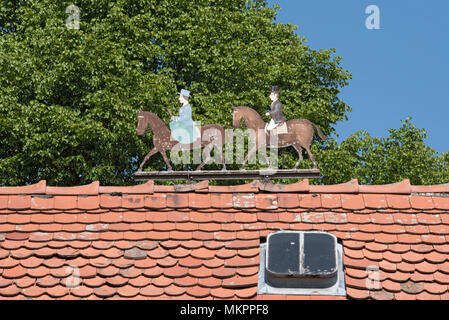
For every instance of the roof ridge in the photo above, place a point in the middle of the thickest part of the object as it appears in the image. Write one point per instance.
(302, 186)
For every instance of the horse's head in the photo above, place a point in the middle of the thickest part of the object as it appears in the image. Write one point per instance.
(147, 118)
(141, 123)
(250, 116)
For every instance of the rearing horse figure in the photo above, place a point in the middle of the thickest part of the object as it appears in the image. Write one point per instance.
(212, 135)
(299, 132)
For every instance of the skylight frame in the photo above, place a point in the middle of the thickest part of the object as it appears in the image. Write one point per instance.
(337, 289)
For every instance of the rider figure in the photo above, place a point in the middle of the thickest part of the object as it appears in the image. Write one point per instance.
(277, 116)
(183, 127)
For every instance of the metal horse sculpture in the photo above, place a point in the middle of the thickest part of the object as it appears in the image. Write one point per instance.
(212, 135)
(299, 132)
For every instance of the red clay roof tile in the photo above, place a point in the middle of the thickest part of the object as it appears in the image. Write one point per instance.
(199, 200)
(288, 200)
(65, 202)
(244, 200)
(441, 203)
(392, 257)
(37, 188)
(128, 291)
(246, 293)
(347, 187)
(390, 234)
(186, 281)
(151, 291)
(3, 201)
(158, 235)
(246, 188)
(167, 262)
(177, 200)
(356, 273)
(133, 201)
(222, 293)
(177, 216)
(19, 202)
(405, 218)
(25, 281)
(200, 272)
(442, 188)
(203, 253)
(398, 201)
(88, 202)
(355, 254)
(372, 255)
(375, 201)
(110, 201)
(81, 291)
(352, 202)
(200, 186)
(145, 188)
(441, 277)
(41, 202)
(181, 235)
(433, 239)
(357, 218)
(402, 187)
(393, 228)
(411, 287)
(310, 201)
(10, 291)
(174, 290)
(198, 291)
(357, 293)
(331, 201)
(140, 281)
(421, 202)
(428, 219)
(156, 201)
(16, 236)
(221, 200)
(89, 189)
(335, 217)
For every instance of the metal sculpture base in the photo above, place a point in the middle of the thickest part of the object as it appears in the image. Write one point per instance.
(266, 174)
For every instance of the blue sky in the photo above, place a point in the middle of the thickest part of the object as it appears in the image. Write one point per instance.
(399, 70)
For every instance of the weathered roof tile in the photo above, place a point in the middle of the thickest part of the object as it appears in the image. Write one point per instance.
(201, 241)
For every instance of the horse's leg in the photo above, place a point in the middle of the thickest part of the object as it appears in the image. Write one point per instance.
(164, 154)
(207, 149)
(262, 149)
(299, 150)
(250, 152)
(222, 157)
(219, 144)
(305, 139)
(310, 155)
(264, 152)
(155, 150)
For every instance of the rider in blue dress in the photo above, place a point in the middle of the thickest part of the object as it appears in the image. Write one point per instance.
(183, 127)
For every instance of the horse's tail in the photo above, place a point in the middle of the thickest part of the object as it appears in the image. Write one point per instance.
(320, 133)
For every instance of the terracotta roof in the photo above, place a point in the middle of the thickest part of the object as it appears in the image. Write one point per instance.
(200, 241)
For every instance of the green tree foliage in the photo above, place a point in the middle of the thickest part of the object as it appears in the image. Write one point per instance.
(69, 98)
(403, 154)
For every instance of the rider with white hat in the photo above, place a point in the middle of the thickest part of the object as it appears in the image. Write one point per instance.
(183, 127)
